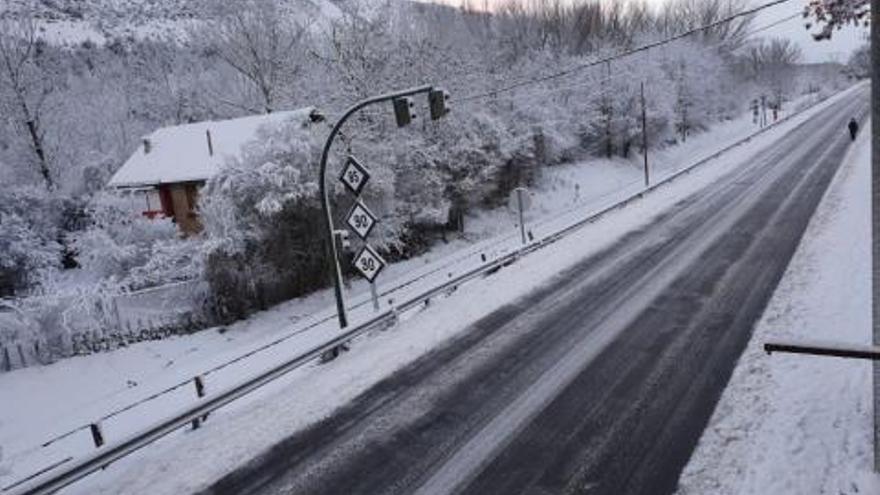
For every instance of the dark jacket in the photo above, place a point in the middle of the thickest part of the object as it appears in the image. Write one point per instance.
(853, 128)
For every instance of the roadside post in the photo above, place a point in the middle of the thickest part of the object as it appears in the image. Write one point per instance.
(763, 111)
(755, 112)
(519, 202)
(374, 294)
(97, 434)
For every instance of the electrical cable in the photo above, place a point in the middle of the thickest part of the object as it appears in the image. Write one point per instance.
(627, 53)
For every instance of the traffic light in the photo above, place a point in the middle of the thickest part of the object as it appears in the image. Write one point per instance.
(342, 239)
(437, 101)
(403, 111)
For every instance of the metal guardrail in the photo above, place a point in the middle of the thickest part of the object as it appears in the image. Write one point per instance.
(106, 455)
(112, 453)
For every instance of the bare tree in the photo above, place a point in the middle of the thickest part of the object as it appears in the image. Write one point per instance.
(772, 63)
(683, 15)
(860, 62)
(25, 87)
(263, 45)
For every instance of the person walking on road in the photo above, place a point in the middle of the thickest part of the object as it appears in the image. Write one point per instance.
(853, 128)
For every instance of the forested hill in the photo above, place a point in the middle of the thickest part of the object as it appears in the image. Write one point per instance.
(72, 112)
(74, 21)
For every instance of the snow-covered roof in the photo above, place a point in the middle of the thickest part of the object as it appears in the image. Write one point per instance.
(182, 153)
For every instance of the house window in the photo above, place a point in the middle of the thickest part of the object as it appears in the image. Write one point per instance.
(154, 206)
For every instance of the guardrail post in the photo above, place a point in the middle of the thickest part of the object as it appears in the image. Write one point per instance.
(199, 383)
(97, 434)
(38, 354)
(7, 361)
(374, 294)
(116, 315)
(395, 317)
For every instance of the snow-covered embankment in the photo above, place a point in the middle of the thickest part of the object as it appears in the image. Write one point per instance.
(801, 424)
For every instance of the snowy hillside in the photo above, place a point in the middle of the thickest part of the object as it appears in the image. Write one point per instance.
(75, 21)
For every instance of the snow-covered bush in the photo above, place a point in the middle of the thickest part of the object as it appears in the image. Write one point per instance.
(30, 231)
(469, 152)
(25, 253)
(263, 227)
(113, 251)
(66, 307)
(116, 240)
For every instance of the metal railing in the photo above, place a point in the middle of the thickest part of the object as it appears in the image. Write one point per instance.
(828, 349)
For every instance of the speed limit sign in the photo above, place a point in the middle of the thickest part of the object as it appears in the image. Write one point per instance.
(354, 175)
(361, 220)
(369, 263)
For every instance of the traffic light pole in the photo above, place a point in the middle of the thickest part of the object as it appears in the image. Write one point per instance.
(325, 197)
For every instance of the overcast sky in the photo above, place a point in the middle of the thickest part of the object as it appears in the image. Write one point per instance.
(839, 48)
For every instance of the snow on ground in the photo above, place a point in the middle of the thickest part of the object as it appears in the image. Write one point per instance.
(43, 402)
(799, 424)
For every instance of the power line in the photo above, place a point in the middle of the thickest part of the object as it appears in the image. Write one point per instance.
(643, 48)
(576, 86)
(776, 23)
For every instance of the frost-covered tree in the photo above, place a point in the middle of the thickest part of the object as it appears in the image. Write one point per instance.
(263, 227)
(772, 65)
(115, 240)
(27, 83)
(262, 44)
(860, 62)
(30, 235)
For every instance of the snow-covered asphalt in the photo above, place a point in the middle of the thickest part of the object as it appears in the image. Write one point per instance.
(600, 381)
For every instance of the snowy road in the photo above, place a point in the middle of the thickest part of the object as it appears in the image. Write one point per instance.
(599, 382)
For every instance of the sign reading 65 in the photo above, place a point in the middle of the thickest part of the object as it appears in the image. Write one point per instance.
(354, 175)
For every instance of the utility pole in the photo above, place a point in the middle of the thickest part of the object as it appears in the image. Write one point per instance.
(763, 111)
(521, 207)
(875, 215)
(645, 136)
(606, 108)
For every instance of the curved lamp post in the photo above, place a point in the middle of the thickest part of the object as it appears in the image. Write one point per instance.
(325, 199)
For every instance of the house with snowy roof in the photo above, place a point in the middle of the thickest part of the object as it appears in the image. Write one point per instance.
(166, 172)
